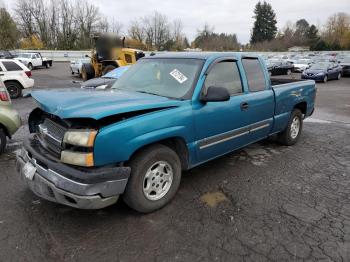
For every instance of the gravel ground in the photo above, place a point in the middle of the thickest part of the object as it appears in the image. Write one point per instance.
(264, 203)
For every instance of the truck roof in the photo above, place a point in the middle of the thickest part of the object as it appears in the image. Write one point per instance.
(200, 55)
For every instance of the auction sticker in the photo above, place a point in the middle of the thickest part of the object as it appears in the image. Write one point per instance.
(180, 77)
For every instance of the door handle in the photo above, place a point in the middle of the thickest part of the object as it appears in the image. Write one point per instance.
(244, 106)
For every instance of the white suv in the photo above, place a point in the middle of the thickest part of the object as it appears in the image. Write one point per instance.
(16, 76)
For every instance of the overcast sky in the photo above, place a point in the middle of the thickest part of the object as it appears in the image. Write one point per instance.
(229, 16)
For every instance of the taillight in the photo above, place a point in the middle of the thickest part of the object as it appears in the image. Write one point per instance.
(28, 73)
(4, 96)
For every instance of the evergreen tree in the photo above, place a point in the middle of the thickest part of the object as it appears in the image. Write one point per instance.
(265, 27)
(8, 30)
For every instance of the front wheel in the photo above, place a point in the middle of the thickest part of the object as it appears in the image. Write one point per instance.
(155, 178)
(2, 141)
(30, 66)
(292, 133)
(108, 69)
(339, 76)
(325, 79)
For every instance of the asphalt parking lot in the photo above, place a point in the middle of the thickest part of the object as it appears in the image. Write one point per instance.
(264, 203)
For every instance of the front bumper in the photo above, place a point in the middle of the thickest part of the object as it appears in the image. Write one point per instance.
(10, 119)
(313, 77)
(53, 183)
(346, 72)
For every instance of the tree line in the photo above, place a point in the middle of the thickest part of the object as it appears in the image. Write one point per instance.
(334, 35)
(69, 24)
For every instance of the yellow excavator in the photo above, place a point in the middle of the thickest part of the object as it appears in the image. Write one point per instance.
(109, 53)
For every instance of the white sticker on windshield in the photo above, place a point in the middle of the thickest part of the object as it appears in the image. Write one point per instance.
(180, 77)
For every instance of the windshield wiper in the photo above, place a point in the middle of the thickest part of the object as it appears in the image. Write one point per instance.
(144, 92)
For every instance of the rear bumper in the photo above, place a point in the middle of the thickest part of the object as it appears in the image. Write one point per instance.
(28, 83)
(54, 184)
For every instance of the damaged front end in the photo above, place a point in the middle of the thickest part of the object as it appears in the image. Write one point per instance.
(57, 163)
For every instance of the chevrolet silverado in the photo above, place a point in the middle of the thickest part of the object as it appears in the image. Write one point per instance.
(168, 113)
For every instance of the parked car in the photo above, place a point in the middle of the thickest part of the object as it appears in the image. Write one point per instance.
(279, 67)
(9, 118)
(105, 81)
(345, 64)
(167, 113)
(76, 65)
(16, 76)
(33, 60)
(323, 72)
(301, 64)
(4, 54)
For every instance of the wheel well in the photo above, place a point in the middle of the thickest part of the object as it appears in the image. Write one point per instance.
(175, 143)
(302, 107)
(107, 63)
(14, 80)
(5, 130)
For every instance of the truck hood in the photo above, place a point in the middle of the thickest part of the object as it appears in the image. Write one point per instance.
(95, 104)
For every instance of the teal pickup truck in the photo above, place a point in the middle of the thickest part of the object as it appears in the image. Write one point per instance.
(168, 113)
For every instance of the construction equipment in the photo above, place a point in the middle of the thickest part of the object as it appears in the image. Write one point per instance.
(109, 53)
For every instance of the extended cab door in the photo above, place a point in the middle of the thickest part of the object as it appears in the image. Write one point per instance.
(259, 100)
(36, 60)
(221, 126)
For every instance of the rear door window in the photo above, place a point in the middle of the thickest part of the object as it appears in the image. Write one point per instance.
(255, 74)
(225, 74)
(11, 66)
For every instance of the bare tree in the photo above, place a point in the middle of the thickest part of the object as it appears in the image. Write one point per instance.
(137, 31)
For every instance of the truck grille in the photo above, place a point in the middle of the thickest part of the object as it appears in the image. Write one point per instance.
(51, 136)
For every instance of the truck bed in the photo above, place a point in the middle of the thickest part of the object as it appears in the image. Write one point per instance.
(276, 82)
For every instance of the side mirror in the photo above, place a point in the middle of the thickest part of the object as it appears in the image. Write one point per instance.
(215, 94)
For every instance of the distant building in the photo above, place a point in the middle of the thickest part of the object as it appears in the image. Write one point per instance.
(299, 49)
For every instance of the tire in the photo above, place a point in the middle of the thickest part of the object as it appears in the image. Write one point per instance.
(2, 141)
(14, 89)
(87, 72)
(30, 66)
(140, 192)
(47, 65)
(108, 69)
(325, 79)
(289, 72)
(289, 136)
(339, 76)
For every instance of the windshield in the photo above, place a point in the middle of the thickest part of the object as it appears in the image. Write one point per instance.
(168, 77)
(319, 66)
(25, 55)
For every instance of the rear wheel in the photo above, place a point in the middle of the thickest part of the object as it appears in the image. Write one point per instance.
(30, 66)
(155, 179)
(289, 72)
(108, 69)
(292, 133)
(47, 65)
(2, 141)
(14, 89)
(339, 76)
